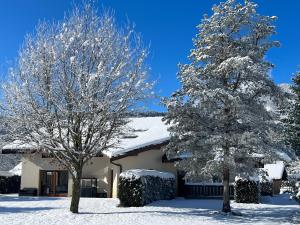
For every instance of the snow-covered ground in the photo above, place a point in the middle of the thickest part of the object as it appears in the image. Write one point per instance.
(32, 210)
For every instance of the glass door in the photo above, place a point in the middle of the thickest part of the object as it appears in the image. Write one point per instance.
(54, 183)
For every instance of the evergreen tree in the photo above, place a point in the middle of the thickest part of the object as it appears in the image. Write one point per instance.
(292, 122)
(218, 115)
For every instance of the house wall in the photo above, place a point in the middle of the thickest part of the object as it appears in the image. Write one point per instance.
(98, 168)
(30, 174)
(31, 166)
(276, 186)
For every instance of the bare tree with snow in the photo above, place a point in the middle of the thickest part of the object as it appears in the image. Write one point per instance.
(72, 87)
(218, 115)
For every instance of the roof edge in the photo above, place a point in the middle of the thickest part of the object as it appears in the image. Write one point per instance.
(135, 152)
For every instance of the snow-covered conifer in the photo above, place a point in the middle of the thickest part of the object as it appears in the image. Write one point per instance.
(292, 121)
(218, 115)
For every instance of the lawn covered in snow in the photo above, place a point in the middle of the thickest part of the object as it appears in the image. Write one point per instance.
(38, 210)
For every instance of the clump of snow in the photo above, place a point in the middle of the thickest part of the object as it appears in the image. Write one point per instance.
(135, 174)
(244, 178)
(274, 171)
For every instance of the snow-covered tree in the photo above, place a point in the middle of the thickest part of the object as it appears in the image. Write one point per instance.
(292, 121)
(218, 116)
(72, 87)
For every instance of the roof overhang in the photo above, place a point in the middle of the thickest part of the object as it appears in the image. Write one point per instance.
(18, 151)
(137, 151)
(133, 152)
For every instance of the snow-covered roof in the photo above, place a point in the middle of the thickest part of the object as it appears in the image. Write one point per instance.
(281, 155)
(141, 132)
(137, 173)
(17, 170)
(5, 174)
(275, 171)
(18, 145)
(145, 131)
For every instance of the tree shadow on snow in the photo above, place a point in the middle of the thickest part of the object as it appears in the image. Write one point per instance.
(276, 216)
(25, 198)
(211, 209)
(283, 199)
(181, 203)
(4, 210)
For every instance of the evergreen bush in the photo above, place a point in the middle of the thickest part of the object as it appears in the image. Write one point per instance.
(247, 191)
(140, 187)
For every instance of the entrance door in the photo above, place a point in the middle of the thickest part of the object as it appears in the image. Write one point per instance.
(54, 183)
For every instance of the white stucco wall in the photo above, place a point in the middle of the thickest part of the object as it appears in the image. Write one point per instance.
(33, 164)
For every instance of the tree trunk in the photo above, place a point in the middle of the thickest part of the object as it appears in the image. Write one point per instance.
(226, 197)
(76, 192)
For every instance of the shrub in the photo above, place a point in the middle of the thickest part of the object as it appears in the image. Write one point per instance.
(140, 187)
(247, 191)
(9, 184)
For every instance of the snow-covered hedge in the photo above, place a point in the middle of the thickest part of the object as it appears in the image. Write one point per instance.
(247, 191)
(139, 187)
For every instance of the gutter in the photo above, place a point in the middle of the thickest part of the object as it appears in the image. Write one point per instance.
(116, 164)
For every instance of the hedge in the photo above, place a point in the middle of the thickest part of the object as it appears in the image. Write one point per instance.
(140, 187)
(10, 184)
(247, 191)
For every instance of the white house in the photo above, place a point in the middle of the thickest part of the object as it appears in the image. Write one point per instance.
(141, 149)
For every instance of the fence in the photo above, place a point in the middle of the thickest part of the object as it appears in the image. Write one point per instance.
(214, 190)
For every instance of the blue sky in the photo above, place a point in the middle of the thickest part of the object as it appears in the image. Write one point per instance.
(168, 26)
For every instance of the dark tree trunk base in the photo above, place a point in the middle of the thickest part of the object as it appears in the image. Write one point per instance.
(75, 196)
(226, 198)
(226, 208)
